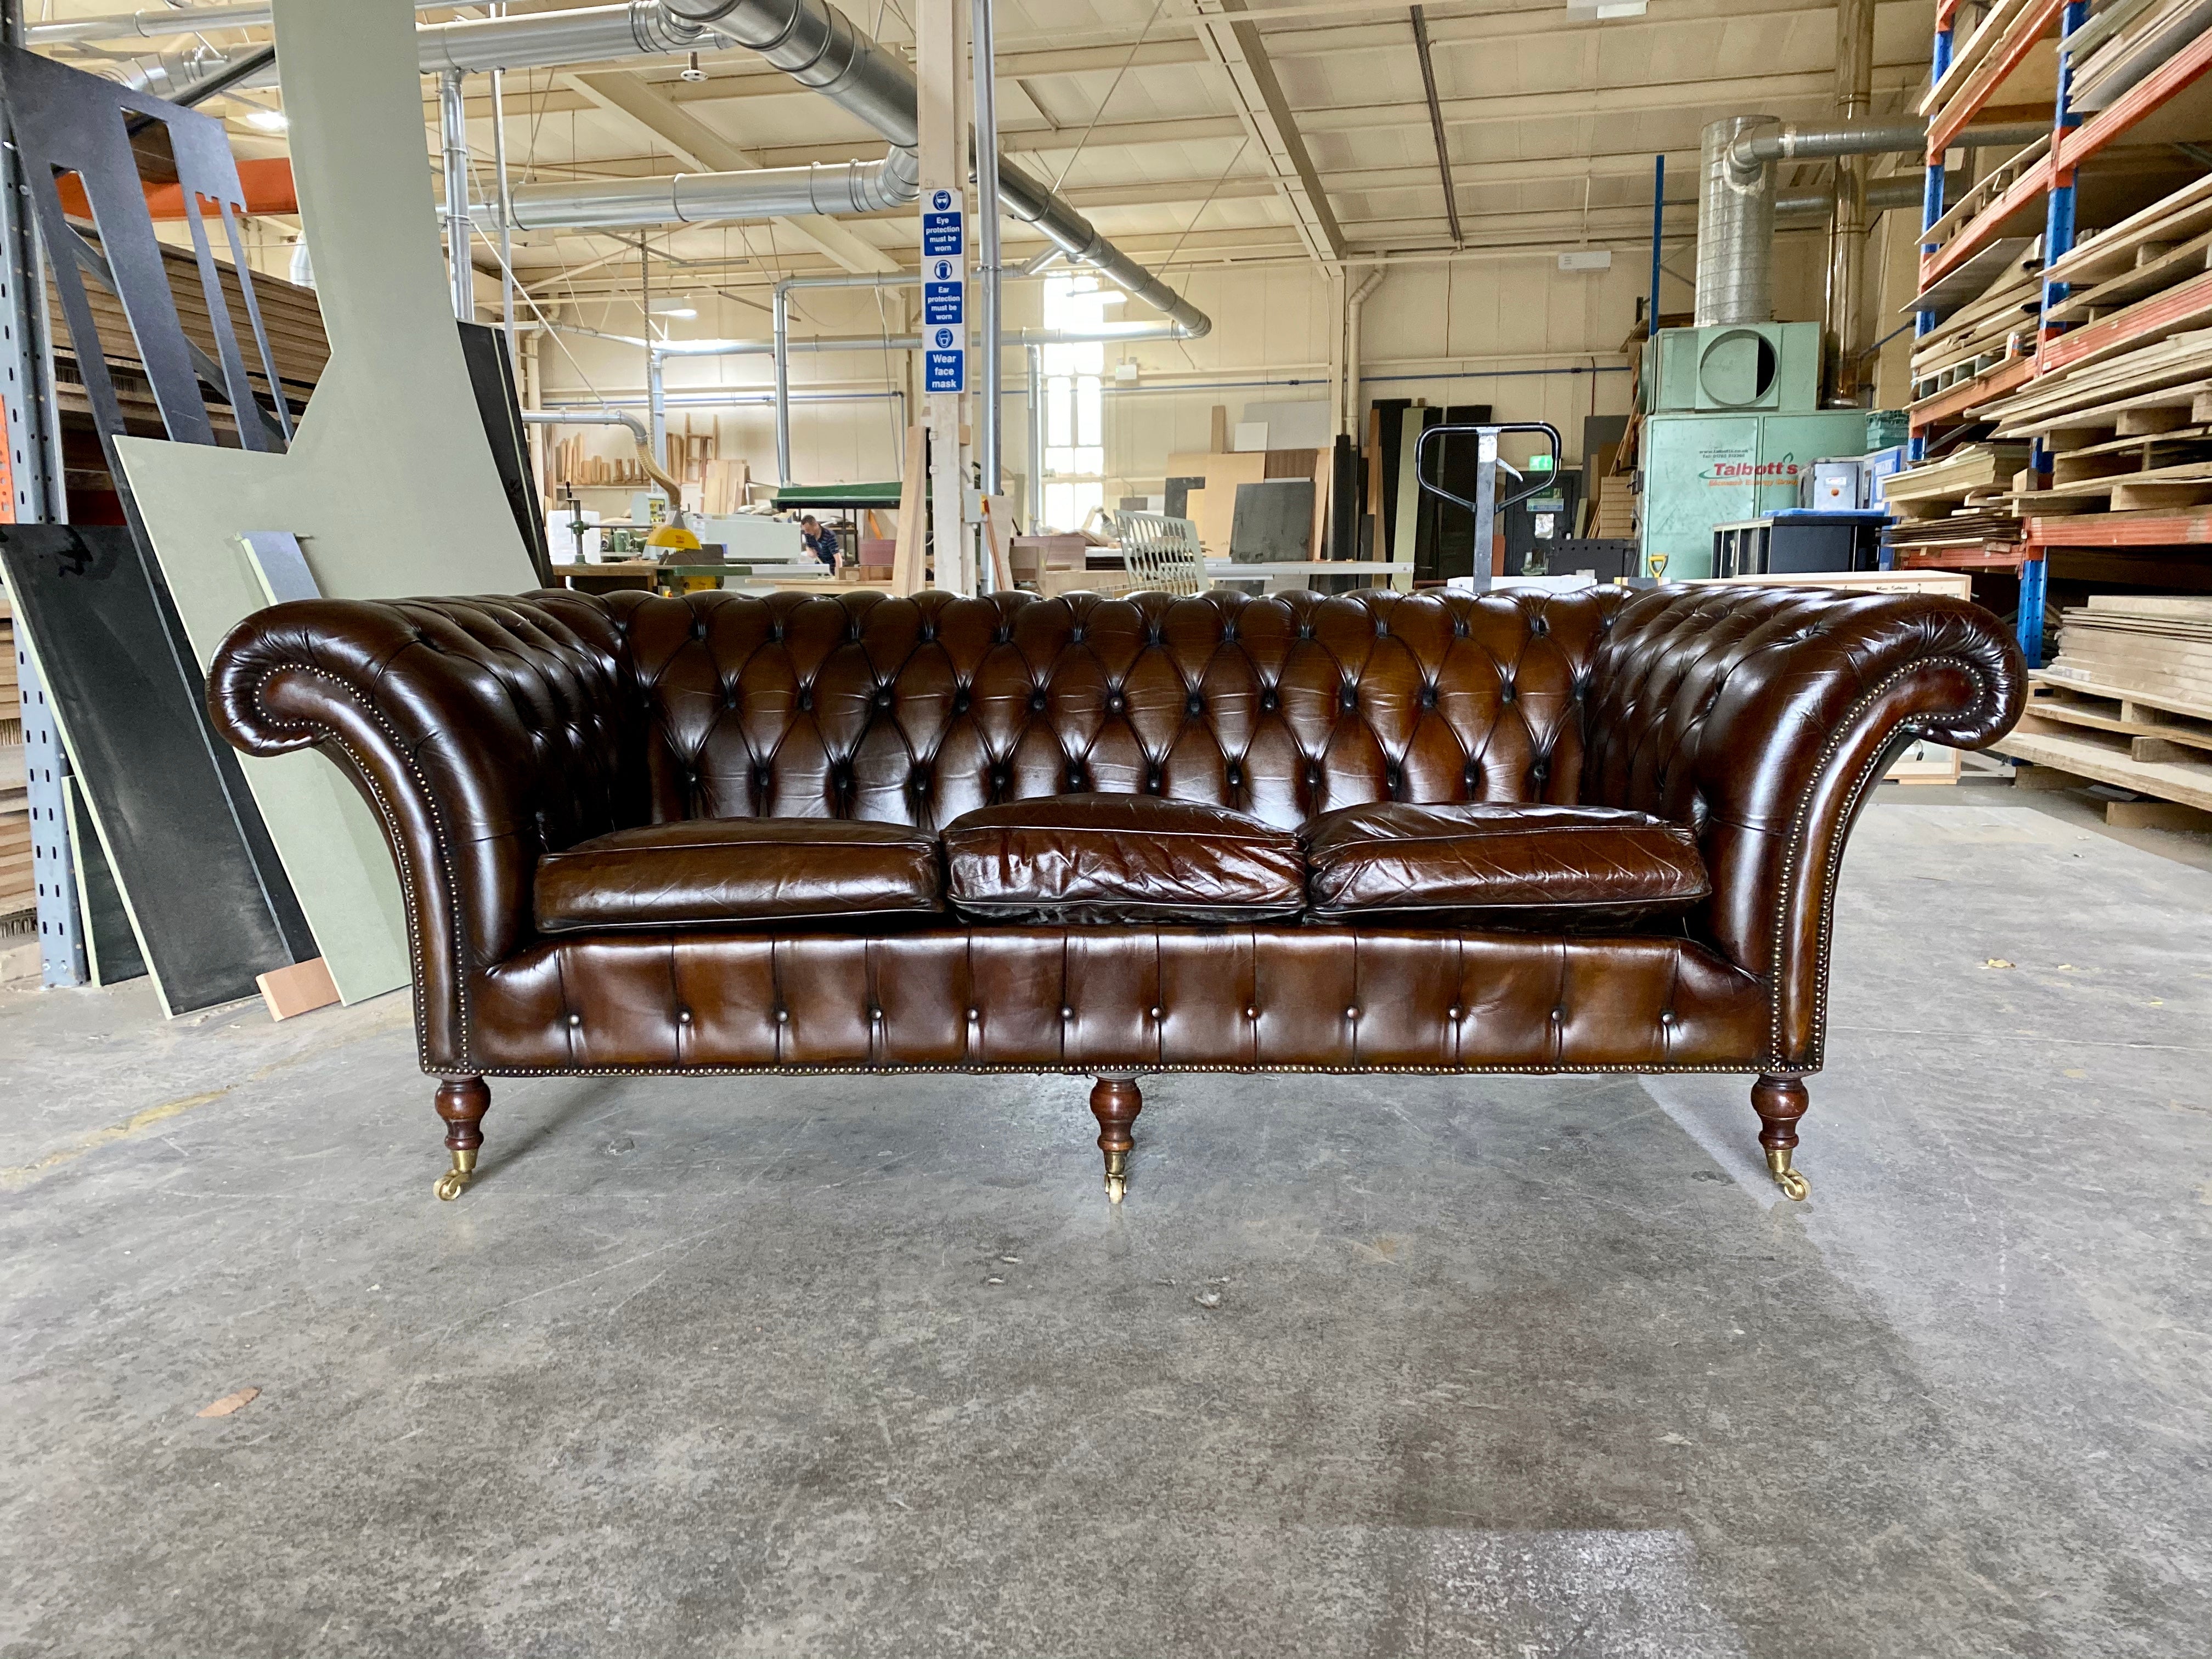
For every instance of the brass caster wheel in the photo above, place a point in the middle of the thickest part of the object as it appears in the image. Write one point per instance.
(1117, 1175)
(450, 1184)
(1792, 1181)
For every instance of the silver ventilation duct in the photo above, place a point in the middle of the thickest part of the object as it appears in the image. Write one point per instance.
(1736, 200)
(810, 40)
(818, 46)
(1736, 226)
(697, 197)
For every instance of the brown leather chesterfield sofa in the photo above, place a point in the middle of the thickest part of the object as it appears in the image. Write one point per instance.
(1377, 832)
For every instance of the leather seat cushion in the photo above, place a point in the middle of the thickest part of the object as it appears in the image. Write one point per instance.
(698, 872)
(1528, 866)
(1097, 857)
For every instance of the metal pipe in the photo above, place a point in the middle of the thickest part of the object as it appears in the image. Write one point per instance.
(505, 200)
(162, 24)
(983, 65)
(683, 198)
(1847, 246)
(1736, 226)
(781, 343)
(820, 47)
(452, 132)
(1353, 304)
(536, 40)
(1033, 509)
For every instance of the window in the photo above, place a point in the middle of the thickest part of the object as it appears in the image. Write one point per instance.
(1074, 405)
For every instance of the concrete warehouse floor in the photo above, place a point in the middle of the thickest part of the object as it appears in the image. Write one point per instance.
(1366, 1366)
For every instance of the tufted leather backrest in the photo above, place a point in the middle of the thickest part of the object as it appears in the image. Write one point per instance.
(916, 710)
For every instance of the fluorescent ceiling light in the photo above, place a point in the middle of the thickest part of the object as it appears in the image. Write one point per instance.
(267, 120)
(1600, 11)
(674, 308)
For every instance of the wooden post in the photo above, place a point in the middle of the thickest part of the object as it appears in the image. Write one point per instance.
(940, 69)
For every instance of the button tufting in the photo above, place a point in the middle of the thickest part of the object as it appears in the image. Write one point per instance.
(1158, 1013)
(575, 1020)
(683, 1016)
(875, 1016)
(974, 1015)
(806, 698)
(1451, 1013)
(1194, 704)
(1037, 701)
(1067, 1014)
(1351, 1013)
(960, 700)
(883, 696)
(783, 1016)
(1251, 1013)
(1268, 699)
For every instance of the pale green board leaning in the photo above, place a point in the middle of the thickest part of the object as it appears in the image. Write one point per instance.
(391, 485)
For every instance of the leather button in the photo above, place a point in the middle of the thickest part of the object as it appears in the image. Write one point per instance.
(875, 1016)
(960, 701)
(1267, 700)
(1251, 1013)
(806, 698)
(1351, 1013)
(1195, 705)
(783, 1016)
(1506, 692)
(1451, 1013)
(973, 1016)
(1114, 703)
(883, 697)
(575, 1020)
(1428, 696)
(1067, 1014)
(683, 1016)
(1158, 1013)
(1037, 702)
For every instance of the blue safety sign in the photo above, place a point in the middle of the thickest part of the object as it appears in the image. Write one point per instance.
(941, 303)
(945, 371)
(940, 234)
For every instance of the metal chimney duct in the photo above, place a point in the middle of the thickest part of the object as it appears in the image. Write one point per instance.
(1736, 227)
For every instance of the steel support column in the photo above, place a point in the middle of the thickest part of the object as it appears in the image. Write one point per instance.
(35, 496)
(453, 133)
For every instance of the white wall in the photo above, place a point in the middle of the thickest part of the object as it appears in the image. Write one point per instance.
(1513, 332)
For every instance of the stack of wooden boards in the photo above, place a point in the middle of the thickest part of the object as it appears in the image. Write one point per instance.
(574, 464)
(289, 313)
(1958, 506)
(1209, 485)
(2125, 41)
(2125, 402)
(18, 898)
(2129, 700)
(1996, 324)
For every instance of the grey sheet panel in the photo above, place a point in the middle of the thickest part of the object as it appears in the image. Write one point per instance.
(186, 843)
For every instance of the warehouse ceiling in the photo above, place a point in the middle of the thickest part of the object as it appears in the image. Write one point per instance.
(1189, 130)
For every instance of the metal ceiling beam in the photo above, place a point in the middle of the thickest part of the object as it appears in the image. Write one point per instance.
(627, 93)
(1436, 122)
(1236, 46)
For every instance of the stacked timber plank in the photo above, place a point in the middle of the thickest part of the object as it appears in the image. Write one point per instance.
(2129, 700)
(289, 313)
(1998, 323)
(17, 897)
(2126, 41)
(1959, 507)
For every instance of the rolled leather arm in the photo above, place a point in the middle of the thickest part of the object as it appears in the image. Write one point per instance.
(481, 730)
(1760, 717)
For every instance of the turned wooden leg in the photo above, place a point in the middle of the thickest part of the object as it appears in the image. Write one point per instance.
(1780, 1102)
(1115, 1103)
(462, 1101)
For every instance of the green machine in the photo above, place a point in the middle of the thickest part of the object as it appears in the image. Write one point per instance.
(1731, 421)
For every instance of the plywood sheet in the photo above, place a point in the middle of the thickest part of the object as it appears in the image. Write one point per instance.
(392, 485)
